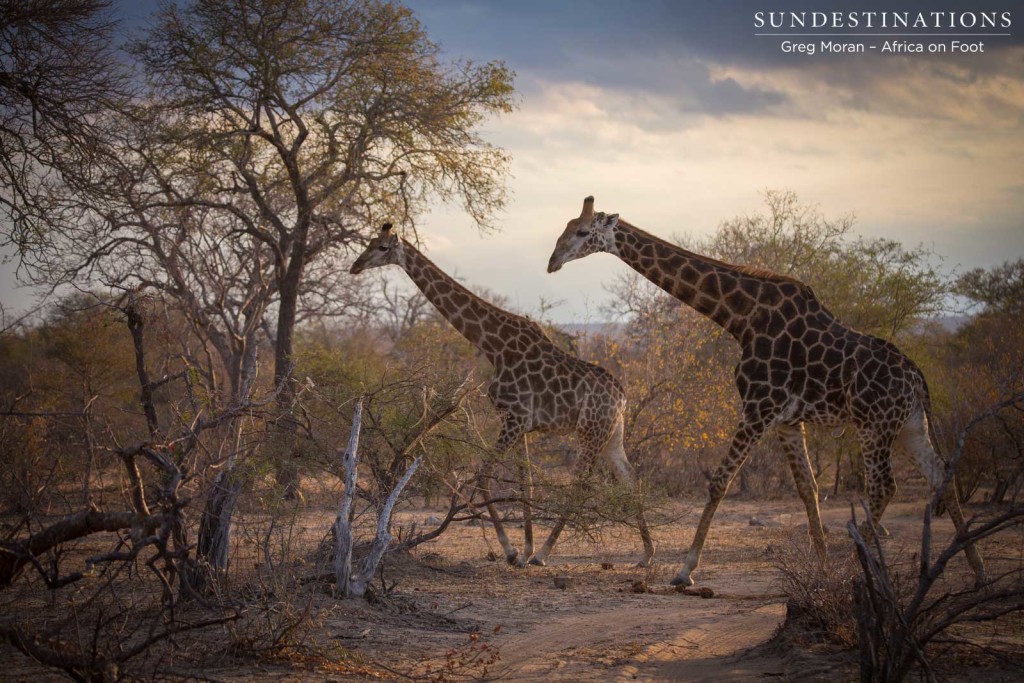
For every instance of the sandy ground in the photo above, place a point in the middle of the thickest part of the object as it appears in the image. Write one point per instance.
(600, 628)
(450, 599)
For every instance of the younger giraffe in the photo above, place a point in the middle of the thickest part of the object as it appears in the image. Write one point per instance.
(799, 364)
(536, 386)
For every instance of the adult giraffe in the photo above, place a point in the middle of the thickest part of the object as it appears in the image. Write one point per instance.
(536, 386)
(799, 364)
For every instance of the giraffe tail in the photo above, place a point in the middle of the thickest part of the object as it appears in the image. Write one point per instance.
(924, 396)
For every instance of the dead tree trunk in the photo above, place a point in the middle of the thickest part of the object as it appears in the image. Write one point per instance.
(215, 525)
(347, 583)
(343, 523)
(214, 541)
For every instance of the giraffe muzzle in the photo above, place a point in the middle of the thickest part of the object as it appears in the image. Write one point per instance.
(554, 264)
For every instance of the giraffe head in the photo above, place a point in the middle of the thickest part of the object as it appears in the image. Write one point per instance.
(588, 234)
(384, 249)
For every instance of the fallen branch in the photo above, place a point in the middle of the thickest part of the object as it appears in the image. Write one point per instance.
(15, 556)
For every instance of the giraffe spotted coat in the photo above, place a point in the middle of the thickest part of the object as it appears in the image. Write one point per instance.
(536, 386)
(799, 364)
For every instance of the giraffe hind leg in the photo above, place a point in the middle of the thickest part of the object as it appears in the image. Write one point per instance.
(589, 446)
(913, 439)
(876, 451)
(525, 470)
(794, 445)
(615, 455)
(584, 464)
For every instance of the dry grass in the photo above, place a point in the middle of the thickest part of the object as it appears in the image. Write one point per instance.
(820, 595)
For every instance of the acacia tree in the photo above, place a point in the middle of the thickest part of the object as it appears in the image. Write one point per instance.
(317, 119)
(58, 73)
(982, 361)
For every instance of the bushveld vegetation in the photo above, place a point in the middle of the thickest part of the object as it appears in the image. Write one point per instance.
(166, 417)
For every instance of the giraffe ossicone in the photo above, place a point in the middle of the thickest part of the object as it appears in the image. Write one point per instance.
(536, 386)
(799, 364)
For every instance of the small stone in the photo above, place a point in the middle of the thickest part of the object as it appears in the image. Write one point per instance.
(607, 565)
(433, 520)
(640, 586)
(754, 521)
(706, 593)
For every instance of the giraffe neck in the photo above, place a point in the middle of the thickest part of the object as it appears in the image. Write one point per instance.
(737, 298)
(483, 324)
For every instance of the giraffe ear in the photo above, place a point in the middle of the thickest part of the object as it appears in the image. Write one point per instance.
(611, 220)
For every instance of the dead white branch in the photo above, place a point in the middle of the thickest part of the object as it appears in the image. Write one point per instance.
(347, 583)
(343, 524)
(357, 585)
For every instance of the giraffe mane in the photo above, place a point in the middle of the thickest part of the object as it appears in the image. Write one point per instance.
(764, 273)
(742, 269)
(533, 324)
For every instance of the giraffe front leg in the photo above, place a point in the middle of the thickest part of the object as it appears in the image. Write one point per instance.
(745, 437)
(794, 446)
(583, 466)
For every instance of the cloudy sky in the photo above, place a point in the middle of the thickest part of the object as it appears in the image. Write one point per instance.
(677, 116)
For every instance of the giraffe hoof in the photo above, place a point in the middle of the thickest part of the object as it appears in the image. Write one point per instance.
(511, 557)
(537, 562)
(681, 581)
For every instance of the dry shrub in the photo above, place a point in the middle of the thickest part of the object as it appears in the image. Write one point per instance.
(820, 603)
(474, 660)
(280, 612)
(274, 626)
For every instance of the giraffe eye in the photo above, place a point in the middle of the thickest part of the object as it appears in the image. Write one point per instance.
(383, 247)
(582, 233)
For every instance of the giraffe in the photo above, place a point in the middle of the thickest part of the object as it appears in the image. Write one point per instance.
(536, 386)
(799, 364)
